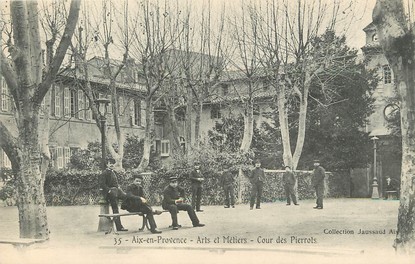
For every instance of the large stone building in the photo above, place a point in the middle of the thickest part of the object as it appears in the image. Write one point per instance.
(388, 160)
(71, 122)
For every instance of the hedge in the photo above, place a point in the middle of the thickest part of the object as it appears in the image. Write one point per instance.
(80, 187)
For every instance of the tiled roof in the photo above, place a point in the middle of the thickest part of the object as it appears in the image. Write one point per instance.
(105, 81)
(216, 99)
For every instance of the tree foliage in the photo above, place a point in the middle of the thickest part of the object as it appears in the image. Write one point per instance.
(340, 102)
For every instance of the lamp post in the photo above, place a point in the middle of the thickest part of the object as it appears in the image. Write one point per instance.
(102, 105)
(375, 190)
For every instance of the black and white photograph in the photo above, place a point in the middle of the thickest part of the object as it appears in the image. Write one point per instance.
(207, 131)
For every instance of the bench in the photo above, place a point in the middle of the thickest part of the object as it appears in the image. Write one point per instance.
(111, 217)
(20, 243)
(391, 195)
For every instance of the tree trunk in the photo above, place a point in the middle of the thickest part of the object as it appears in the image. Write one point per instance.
(197, 122)
(302, 118)
(30, 196)
(171, 124)
(284, 128)
(398, 43)
(148, 135)
(189, 115)
(117, 155)
(248, 127)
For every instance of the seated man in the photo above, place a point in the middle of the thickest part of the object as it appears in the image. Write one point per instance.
(135, 202)
(173, 200)
(111, 191)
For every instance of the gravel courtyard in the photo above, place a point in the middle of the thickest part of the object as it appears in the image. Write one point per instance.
(362, 229)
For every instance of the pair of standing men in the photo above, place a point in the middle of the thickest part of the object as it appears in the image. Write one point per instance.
(317, 181)
(257, 179)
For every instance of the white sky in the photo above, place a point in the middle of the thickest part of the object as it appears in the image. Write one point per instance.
(360, 10)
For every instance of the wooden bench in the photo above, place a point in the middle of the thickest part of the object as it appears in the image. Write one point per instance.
(391, 195)
(111, 217)
(20, 243)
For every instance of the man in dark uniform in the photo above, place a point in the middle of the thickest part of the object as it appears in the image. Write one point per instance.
(173, 201)
(135, 202)
(318, 183)
(109, 188)
(227, 182)
(196, 178)
(257, 179)
(289, 183)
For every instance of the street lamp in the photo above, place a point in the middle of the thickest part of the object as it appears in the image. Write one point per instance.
(102, 105)
(375, 191)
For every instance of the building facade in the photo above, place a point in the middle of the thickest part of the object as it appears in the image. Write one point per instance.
(386, 106)
(71, 123)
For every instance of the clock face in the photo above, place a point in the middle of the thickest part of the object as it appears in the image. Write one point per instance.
(391, 111)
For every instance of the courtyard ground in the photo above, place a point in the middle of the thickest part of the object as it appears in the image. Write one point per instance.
(274, 234)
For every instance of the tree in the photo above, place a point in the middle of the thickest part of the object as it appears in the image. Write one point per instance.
(151, 41)
(27, 84)
(285, 39)
(339, 103)
(245, 33)
(396, 30)
(202, 63)
(107, 36)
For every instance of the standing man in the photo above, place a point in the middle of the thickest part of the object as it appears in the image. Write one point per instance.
(109, 188)
(318, 182)
(173, 201)
(135, 202)
(196, 178)
(227, 182)
(289, 183)
(257, 179)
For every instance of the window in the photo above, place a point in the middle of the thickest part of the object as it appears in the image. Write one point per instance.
(57, 101)
(4, 96)
(165, 148)
(387, 74)
(66, 156)
(88, 111)
(81, 104)
(59, 158)
(215, 112)
(137, 112)
(66, 102)
(121, 105)
(132, 111)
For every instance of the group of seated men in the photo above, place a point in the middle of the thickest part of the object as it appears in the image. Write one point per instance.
(133, 200)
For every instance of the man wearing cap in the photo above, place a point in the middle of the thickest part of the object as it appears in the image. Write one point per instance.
(109, 188)
(135, 202)
(289, 183)
(257, 179)
(196, 179)
(173, 201)
(318, 183)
